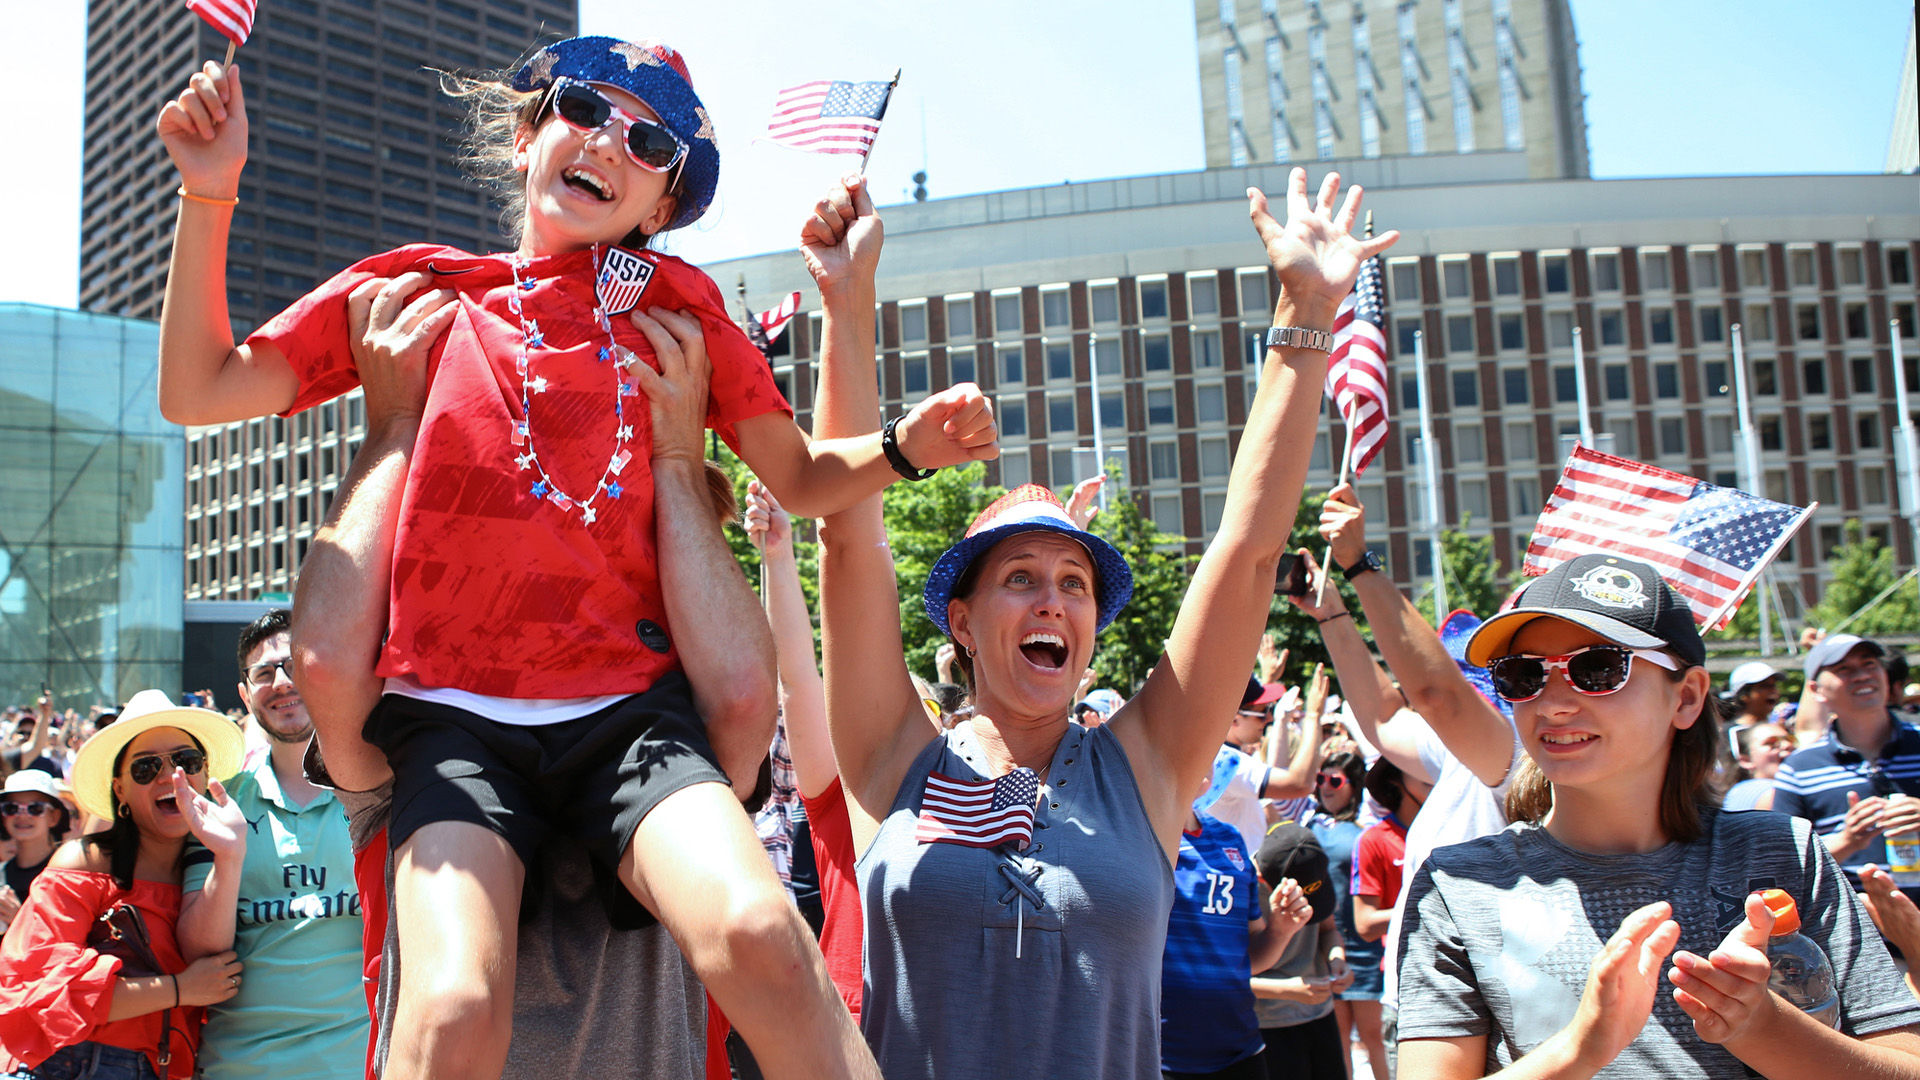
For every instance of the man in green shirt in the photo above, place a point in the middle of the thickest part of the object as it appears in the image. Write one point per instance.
(301, 1013)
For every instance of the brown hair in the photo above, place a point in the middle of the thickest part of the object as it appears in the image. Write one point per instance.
(1689, 783)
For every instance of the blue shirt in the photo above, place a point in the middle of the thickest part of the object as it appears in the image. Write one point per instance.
(1206, 997)
(1813, 783)
(1338, 839)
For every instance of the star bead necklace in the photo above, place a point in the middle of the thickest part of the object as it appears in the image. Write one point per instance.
(545, 487)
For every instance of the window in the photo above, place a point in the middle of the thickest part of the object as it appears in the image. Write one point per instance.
(1054, 312)
(1520, 440)
(1813, 377)
(1621, 429)
(1759, 324)
(1060, 464)
(1210, 403)
(1016, 469)
(1899, 266)
(1776, 486)
(913, 372)
(1214, 460)
(1856, 320)
(1453, 275)
(1770, 433)
(1469, 443)
(1166, 515)
(1830, 540)
(1616, 381)
(1806, 321)
(1405, 331)
(1660, 326)
(1153, 299)
(1163, 460)
(1673, 435)
(1406, 282)
(1113, 411)
(1105, 301)
(1653, 271)
(1514, 383)
(1506, 277)
(1203, 292)
(1013, 365)
(960, 367)
(1253, 293)
(1513, 331)
(1213, 507)
(1710, 324)
(1409, 392)
(1006, 315)
(1553, 268)
(1861, 369)
(1156, 352)
(1613, 327)
(1800, 263)
(1714, 373)
(1059, 360)
(1160, 406)
(1466, 388)
(1903, 313)
(1666, 380)
(1765, 379)
(1013, 416)
(1060, 414)
(1560, 329)
(1852, 267)
(1106, 356)
(1706, 270)
(1460, 333)
(913, 322)
(1206, 349)
(1873, 484)
(1526, 498)
(1720, 438)
(1473, 500)
(1753, 268)
(1606, 273)
(1819, 433)
(1566, 386)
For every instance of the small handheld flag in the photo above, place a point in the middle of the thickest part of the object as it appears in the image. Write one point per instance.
(773, 321)
(830, 117)
(1357, 370)
(978, 813)
(233, 18)
(1709, 542)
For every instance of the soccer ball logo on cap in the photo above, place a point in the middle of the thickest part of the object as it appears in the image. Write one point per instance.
(1611, 587)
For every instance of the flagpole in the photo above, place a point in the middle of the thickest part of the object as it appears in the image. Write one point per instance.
(1093, 379)
(1346, 462)
(868, 152)
(1907, 443)
(1430, 467)
(1750, 464)
(1579, 389)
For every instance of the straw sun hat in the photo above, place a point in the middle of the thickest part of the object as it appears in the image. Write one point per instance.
(149, 709)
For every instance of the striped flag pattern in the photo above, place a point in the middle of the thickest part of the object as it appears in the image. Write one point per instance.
(233, 18)
(1357, 370)
(774, 320)
(826, 117)
(1709, 542)
(978, 813)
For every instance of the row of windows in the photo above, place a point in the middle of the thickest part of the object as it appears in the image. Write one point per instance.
(1659, 327)
(1003, 316)
(1753, 265)
(1616, 382)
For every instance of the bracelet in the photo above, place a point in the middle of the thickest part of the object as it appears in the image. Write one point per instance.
(209, 200)
(176, 990)
(1330, 618)
(891, 447)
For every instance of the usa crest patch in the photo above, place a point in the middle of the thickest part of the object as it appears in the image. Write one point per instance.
(1233, 856)
(623, 278)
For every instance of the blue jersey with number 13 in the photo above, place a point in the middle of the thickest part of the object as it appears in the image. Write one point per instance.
(1206, 1003)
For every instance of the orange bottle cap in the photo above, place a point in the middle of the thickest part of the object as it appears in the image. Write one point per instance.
(1786, 916)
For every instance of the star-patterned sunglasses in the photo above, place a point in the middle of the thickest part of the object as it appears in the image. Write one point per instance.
(1595, 671)
(586, 110)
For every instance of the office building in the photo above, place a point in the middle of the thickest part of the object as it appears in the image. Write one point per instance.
(1157, 288)
(90, 528)
(351, 152)
(1314, 80)
(1903, 141)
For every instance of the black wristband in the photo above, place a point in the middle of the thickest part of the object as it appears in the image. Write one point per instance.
(176, 990)
(891, 447)
(1332, 617)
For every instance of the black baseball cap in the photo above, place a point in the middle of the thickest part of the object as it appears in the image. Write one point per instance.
(1623, 600)
(1291, 851)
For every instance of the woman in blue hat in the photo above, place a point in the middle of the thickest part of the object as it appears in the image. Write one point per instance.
(532, 676)
(1016, 870)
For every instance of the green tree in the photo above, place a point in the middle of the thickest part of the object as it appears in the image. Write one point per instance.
(1862, 569)
(1745, 625)
(1472, 576)
(923, 521)
(1162, 570)
(1293, 629)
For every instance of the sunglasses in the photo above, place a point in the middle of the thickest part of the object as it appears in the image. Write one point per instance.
(31, 809)
(1779, 742)
(262, 674)
(145, 769)
(1595, 671)
(587, 110)
(1336, 781)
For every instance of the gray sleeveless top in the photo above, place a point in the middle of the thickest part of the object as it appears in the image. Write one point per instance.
(989, 963)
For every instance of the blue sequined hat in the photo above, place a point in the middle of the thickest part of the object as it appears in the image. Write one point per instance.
(657, 75)
(1027, 509)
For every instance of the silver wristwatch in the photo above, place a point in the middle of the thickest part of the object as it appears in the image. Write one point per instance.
(1293, 337)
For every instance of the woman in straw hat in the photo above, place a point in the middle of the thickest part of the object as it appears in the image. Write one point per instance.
(74, 1001)
(1017, 871)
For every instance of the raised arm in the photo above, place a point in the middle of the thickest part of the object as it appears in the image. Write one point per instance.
(720, 635)
(1298, 777)
(1172, 727)
(1472, 729)
(874, 716)
(340, 600)
(1368, 688)
(204, 378)
(802, 696)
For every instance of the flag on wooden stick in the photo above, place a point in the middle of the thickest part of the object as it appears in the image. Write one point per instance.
(829, 117)
(233, 18)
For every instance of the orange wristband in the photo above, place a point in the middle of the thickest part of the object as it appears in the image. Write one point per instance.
(191, 197)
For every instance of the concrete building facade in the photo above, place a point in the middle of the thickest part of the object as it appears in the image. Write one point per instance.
(1156, 288)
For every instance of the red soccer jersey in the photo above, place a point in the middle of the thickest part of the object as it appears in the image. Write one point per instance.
(497, 591)
(841, 932)
(1379, 862)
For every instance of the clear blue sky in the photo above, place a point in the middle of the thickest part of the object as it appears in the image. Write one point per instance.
(1018, 93)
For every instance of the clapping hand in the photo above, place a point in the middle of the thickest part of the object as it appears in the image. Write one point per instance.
(214, 817)
(1726, 992)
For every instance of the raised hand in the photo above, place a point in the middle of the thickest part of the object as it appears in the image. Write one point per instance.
(392, 325)
(953, 427)
(214, 818)
(205, 131)
(1321, 603)
(1621, 983)
(1289, 906)
(1272, 658)
(1343, 521)
(1726, 992)
(1081, 505)
(767, 523)
(677, 393)
(841, 238)
(1315, 252)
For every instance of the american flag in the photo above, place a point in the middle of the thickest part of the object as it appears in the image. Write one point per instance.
(1710, 543)
(773, 320)
(1357, 370)
(830, 117)
(978, 813)
(233, 18)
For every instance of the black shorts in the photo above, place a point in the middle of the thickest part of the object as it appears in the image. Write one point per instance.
(594, 778)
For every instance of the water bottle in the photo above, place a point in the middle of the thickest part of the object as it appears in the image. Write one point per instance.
(1903, 852)
(1801, 972)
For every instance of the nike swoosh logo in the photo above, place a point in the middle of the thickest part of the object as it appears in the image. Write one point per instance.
(1399, 862)
(432, 269)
